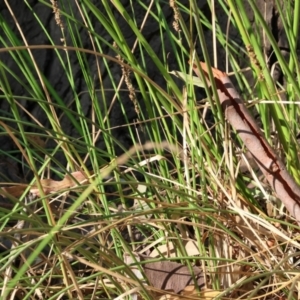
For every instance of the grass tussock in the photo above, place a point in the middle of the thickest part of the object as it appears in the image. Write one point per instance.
(183, 189)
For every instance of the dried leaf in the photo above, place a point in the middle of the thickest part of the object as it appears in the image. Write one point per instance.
(48, 185)
(165, 249)
(241, 120)
(192, 248)
(168, 297)
(172, 276)
(168, 249)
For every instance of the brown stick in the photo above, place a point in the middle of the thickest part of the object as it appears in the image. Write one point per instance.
(287, 190)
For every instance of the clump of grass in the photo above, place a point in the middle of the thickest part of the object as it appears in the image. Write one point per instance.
(180, 195)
